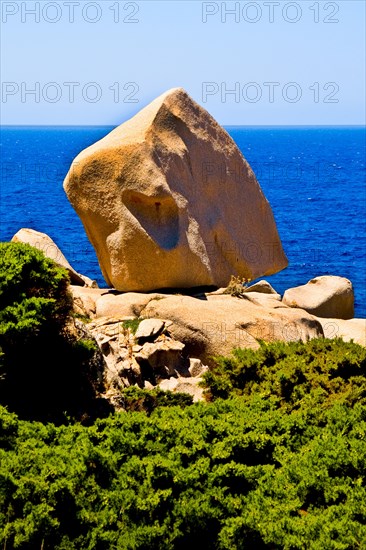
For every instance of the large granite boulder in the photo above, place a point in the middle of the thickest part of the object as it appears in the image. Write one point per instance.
(168, 201)
(50, 249)
(325, 296)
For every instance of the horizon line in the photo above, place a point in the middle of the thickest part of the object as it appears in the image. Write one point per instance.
(224, 125)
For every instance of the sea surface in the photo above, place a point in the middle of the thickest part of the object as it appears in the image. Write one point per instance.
(313, 177)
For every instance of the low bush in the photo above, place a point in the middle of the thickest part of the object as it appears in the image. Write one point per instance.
(292, 373)
(279, 464)
(136, 399)
(46, 368)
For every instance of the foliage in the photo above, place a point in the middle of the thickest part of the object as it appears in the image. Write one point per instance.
(236, 286)
(33, 293)
(136, 399)
(131, 324)
(81, 317)
(44, 367)
(281, 465)
(292, 372)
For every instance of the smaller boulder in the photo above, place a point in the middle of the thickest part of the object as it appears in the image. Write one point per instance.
(149, 329)
(85, 299)
(326, 296)
(263, 287)
(50, 249)
(168, 384)
(184, 385)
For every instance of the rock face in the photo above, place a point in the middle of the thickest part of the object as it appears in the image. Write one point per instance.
(50, 249)
(350, 329)
(85, 299)
(217, 324)
(168, 201)
(129, 304)
(327, 296)
(129, 359)
(177, 336)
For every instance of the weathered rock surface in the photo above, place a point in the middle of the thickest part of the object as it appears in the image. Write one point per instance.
(129, 304)
(326, 296)
(168, 201)
(350, 329)
(184, 385)
(149, 329)
(85, 299)
(50, 249)
(217, 324)
(272, 301)
(196, 368)
(263, 287)
(161, 359)
(179, 335)
(128, 362)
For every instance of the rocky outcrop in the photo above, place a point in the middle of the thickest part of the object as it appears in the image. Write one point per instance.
(168, 201)
(50, 249)
(178, 335)
(148, 358)
(327, 296)
(85, 299)
(218, 323)
(129, 304)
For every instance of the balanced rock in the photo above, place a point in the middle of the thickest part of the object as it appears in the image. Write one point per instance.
(168, 201)
(327, 296)
(50, 249)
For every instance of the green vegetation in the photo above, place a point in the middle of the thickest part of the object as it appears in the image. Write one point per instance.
(276, 460)
(46, 367)
(33, 294)
(131, 324)
(136, 399)
(292, 374)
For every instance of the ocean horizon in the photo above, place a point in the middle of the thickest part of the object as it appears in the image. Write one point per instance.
(313, 177)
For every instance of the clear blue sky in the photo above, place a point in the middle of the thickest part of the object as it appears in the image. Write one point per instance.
(272, 52)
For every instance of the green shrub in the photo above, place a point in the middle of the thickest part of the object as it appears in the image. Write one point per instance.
(281, 470)
(45, 367)
(33, 294)
(292, 373)
(136, 399)
(132, 324)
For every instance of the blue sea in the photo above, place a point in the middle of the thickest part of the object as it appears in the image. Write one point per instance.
(313, 177)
